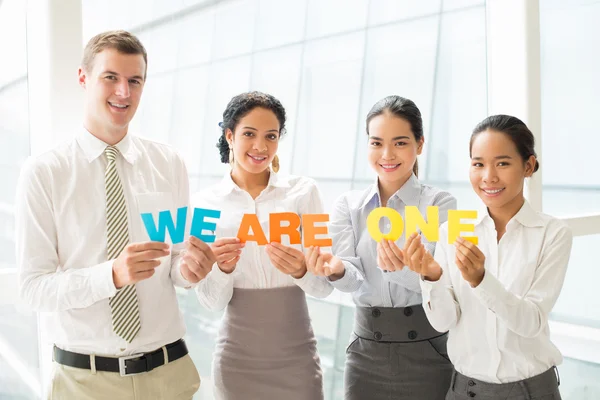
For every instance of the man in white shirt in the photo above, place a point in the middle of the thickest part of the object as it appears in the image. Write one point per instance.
(85, 259)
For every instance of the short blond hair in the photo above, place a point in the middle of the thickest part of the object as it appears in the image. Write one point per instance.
(120, 40)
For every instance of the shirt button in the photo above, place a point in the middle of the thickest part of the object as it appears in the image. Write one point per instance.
(378, 335)
(376, 313)
(408, 311)
(412, 335)
(471, 383)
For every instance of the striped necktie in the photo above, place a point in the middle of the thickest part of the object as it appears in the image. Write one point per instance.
(124, 306)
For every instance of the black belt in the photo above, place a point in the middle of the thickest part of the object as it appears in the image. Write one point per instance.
(128, 365)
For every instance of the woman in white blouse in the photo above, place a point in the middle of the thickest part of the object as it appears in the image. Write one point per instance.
(266, 348)
(495, 297)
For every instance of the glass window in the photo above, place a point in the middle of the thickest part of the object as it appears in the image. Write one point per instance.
(578, 303)
(570, 119)
(19, 365)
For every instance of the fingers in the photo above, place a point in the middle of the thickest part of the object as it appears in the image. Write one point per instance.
(140, 276)
(279, 259)
(187, 274)
(197, 269)
(320, 267)
(278, 249)
(144, 266)
(146, 255)
(472, 248)
(396, 263)
(311, 259)
(227, 240)
(194, 242)
(201, 254)
(230, 263)
(386, 263)
(398, 253)
(143, 246)
(228, 248)
(461, 254)
(290, 251)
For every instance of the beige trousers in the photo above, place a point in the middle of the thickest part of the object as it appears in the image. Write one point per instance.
(177, 380)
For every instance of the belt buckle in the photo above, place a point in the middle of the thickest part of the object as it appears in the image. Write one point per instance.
(123, 366)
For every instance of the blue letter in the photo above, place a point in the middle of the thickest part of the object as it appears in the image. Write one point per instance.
(157, 234)
(199, 224)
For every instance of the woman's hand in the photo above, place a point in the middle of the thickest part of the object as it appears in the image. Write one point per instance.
(227, 252)
(324, 264)
(420, 260)
(287, 259)
(389, 256)
(470, 261)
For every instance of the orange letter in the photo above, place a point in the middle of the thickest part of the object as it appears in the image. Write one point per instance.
(291, 230)
(251, 221)
(311, 231)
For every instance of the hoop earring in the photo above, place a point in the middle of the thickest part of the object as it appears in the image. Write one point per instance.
(275, 164)
(231, 157)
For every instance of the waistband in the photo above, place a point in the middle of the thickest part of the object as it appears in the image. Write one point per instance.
(398, 324)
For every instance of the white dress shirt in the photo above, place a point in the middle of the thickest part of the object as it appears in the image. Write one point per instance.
(254, 269)
(370, 285)
(499, 330)
(61, 242)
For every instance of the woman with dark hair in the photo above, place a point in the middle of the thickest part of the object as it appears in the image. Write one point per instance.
(495, 297)
(394, 352)
(266, 348)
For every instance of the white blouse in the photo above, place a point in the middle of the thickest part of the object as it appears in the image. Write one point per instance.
(499, 330)
(254, 269)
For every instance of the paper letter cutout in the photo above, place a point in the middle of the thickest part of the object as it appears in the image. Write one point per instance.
(165, 222)
(455, 227)
(276, 230)
(251, 221)
(310, 231)
(199, 224)
(414, 220)
(396, 222)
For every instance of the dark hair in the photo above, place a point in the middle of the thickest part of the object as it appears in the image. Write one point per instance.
(238, 107)
(401, 108)
(515, 129)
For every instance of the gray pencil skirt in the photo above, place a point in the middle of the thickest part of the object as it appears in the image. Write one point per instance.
(266, 348)
(396, 354)
(541, 387)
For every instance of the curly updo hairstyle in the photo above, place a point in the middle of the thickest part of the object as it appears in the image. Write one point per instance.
(238, 107)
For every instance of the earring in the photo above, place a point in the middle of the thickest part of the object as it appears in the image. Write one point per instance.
(230, 153)
(275, 164)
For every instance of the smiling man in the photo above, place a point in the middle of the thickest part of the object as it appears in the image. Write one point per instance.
(84, 257)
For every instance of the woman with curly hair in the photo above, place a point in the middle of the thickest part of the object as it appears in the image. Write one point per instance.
(266, 348)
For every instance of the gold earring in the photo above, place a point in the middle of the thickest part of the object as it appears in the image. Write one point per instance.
(275, 164)
(231, 157)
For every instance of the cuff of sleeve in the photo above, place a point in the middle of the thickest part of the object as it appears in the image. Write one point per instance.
(219, 276)
(348, 283)
(427, 287)
(178, 278)
(101, 277)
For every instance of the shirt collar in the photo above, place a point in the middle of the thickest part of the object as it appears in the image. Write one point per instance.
(227, 185)
(93, 147)
(409, 193)
(526, 216)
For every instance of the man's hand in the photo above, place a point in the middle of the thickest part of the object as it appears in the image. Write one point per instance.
(137, 262)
